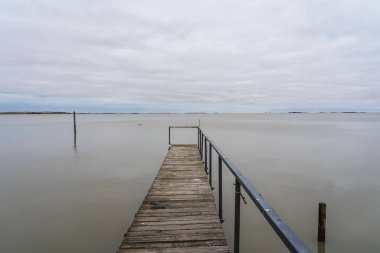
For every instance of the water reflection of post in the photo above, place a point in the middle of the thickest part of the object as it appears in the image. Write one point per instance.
(76, 154)
(321, 247)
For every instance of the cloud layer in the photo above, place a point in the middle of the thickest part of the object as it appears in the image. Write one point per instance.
(190, 55)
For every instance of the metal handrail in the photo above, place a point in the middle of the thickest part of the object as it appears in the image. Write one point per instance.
(286, 234)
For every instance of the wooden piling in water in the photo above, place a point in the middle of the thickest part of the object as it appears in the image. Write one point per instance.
(75, 130)
(322, 222)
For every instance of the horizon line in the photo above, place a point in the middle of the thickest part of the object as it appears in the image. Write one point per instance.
(284, 112)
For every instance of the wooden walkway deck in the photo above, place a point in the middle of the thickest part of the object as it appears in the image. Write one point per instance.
(178, 213)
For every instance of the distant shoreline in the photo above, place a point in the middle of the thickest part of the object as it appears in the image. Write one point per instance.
(120, 113)
(49, 113)
(22, 113)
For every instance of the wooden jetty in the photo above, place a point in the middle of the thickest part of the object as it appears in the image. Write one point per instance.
(179, 213)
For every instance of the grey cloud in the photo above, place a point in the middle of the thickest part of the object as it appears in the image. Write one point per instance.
(220, 53)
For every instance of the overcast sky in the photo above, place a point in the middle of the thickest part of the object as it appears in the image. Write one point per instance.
(190, 56)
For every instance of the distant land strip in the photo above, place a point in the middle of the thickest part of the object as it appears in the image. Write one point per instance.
(35, 113)
(48, 112)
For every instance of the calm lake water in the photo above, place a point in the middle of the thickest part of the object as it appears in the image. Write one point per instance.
(55, 198)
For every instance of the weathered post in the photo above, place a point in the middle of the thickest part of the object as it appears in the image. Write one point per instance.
(220, 189)
(210, 165)
(322, 222)
(237, 217)
(169, 136)
(75, 130)
(199, 139)
(206, 156)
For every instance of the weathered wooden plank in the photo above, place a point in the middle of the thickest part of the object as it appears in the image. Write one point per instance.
(178, 214)
(174, 205)
(175, 218)
(172, 214)
(179, 198)
(171, 232)
(177, 210)
(180, 180)
(191, 174)
(175, 227)
(207, 249)
(173, 238)
(175, 222)
(173, 244)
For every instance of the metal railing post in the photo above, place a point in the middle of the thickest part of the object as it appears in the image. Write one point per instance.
(237, 217)
(210, 165)
(201, 145)
(199, 139)
(169, 135)
(206, 156)
(220, 184)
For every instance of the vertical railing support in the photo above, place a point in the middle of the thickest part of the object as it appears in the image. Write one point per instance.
(210, 165)
(206, 156)
(169, 135)
(199, 139)
(237, 217)
(220, 184)
(201, 145)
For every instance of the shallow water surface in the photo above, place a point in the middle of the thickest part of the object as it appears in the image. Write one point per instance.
(56, 198)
